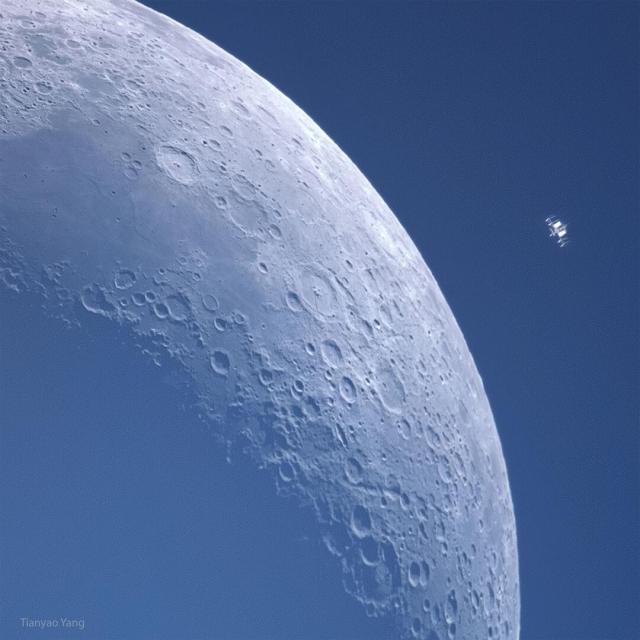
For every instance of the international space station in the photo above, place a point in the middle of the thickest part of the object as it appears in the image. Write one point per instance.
(558, 230)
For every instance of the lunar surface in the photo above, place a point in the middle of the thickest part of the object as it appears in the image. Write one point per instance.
(151, 181)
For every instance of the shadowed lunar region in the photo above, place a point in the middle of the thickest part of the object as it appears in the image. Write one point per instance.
(227, 362)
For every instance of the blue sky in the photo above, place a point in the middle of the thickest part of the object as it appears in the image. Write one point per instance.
(475, 121)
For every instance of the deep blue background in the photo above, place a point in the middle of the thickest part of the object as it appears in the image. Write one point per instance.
(475, 122)
(117, 506)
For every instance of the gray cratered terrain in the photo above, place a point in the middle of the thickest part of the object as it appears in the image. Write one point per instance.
(150, 178)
